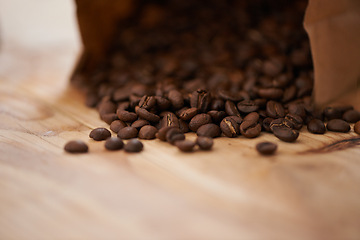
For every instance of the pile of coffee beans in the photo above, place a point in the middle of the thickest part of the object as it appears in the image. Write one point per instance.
(224, 68)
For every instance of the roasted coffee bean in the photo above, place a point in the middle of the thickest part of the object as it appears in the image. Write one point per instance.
(100, 134)
(188, 113)
(127, 133)
(351, 116)
(266, 124)
(204, 143)
(237, 119)
(145, 114)
(200, 99)
(295, 120)
(76, 146)
(230, 109)
(253, 117)
(169, 119)
(126, 116)
(184, 126)
(114, 143)
(116, 125)
(230, 96)
(335, 112)
(275, 109)
(285, 134)
(147, 102)
(247, 106)
(199, 120)
(140, 123)
(338, 125)
(133, 146)
(147, 132)
(162, 103)
(185, 145)
(217, 116)
(357, 127)
(161, 134)
(109, 117)
(297, 109)
(250, 129)
(217, 104)
(271, 93)
(229, 127)
(281, 122)
(209, 130)
(173, 135)
(176, 99)
(316, 126)
(266, 148)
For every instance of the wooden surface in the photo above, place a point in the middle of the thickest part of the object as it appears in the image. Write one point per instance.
(305, 191)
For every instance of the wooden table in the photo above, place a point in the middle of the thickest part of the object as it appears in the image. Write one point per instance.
(308, 190)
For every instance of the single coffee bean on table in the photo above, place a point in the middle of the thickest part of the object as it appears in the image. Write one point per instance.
(128, 133)
(76, 146)
(338, 125)
(209, 130)
(133, 146)
(100, 134)
(147, 132)
(316, 126)
(266, 148)
(351, 116)
(114, 143)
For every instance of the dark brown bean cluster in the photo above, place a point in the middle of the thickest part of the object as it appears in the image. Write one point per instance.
(236, 71)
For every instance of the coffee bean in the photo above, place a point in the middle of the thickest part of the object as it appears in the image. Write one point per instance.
(266, 148)
(161, 134)
(316, 126)
(247, 106)
(108, 117)
(266, 124)
(140, 123)
(114, 143)
(147, 102)
(76, 146)
(173, 135)
(199, 120)
(357, 127)
(133, 146)
(297, 109)
(188, 113)
(176, 99)
(127, 133)
(253, 117)
(229, 127)
(200, 99)
(271, 93)
(169, 119)
(338, 125)
(296, 120)
(116, 125)
(285, 134)
(145, 114)
(100, 134)
(185, 145)
(209, 130)
(250, 129)
(162, 103)
(275, 109)
(230, 96)
(184, 126)
(281, 122)
(230, 109)
(217, 104)
(126, 116)
(147, 132)
(205, 143)
(335, 112)
(351, 116)
(123, 105)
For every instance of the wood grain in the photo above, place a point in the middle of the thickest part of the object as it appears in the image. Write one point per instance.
(229, 193)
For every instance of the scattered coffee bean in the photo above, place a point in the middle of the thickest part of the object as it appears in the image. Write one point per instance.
(296, 120)
(250, 129)
(351, 116)
(247, 106)
(185, 145)
(188, 113)
(338, 125)
(147, 102)
(266, 148)
(116, 125)
(205, 143)
(76, 146)
(100, 134)
(209, 130)
(200, 99)
(140, 123)
(133, 146)
(127, 133)
(126, 116)
(316, 126)
(169, 119)
(114, 143)
(357, 127)
(147, 132)
(285, 134)
(230, 109)
(145, 114)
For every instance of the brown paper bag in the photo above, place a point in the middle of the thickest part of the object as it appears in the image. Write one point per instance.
(333, 27)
